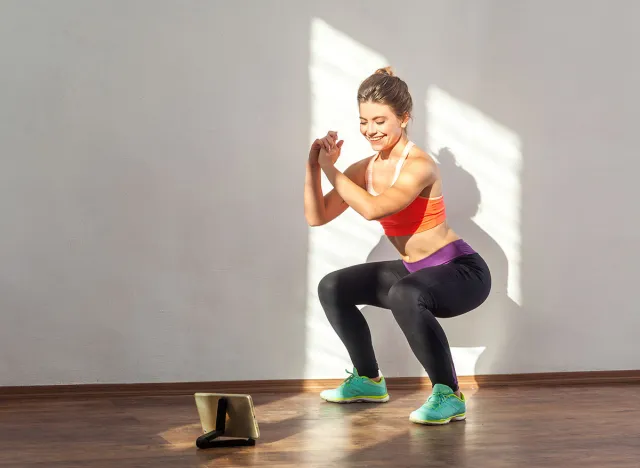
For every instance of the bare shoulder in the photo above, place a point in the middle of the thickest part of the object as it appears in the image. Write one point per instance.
(421, 164)
(420, 156)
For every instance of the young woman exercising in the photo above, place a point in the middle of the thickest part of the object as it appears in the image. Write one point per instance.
(438, 275)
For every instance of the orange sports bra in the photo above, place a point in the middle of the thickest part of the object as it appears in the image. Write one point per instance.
(420, 215)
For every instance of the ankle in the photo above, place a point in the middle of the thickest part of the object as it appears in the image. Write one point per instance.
(377, 379)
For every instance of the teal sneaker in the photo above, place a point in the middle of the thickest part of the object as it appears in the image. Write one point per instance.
(442, 407)
(357, 389)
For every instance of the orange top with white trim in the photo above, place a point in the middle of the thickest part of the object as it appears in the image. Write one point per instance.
(420, 215)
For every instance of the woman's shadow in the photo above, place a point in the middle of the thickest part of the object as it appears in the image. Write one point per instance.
(479, 339)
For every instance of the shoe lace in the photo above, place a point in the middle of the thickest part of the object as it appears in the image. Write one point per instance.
(350, 378)
(436, 399)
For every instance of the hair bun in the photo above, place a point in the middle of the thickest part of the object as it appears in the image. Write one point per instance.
(385, 71)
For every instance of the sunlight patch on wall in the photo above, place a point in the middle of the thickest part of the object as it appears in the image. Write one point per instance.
(465, 358)
(338, 64)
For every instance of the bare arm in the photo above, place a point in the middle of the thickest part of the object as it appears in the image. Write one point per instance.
(414, 178)
(315, 210)
(319, 209)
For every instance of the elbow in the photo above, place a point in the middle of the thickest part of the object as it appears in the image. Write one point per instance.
(372, 211)
(315, 222)
(313, 217)
(370, 214)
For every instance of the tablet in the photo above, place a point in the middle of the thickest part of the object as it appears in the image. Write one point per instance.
(229, 415)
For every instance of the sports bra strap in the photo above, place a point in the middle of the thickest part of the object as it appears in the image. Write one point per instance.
(399, 164)
(401, 161)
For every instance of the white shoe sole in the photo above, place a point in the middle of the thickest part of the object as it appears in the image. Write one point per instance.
(460, 417)
(359, 400)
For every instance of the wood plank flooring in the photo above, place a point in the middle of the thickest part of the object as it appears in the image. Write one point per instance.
(591, 426)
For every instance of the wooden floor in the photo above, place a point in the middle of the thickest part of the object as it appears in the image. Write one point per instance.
(506, 427)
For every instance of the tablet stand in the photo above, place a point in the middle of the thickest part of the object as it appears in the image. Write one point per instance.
(210, 439)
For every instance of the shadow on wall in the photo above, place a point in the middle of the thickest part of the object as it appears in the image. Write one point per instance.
(475, 337)
(485, 328)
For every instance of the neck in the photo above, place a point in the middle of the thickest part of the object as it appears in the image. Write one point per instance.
(394, 152)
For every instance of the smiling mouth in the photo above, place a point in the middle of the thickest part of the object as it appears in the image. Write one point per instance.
(376, 139)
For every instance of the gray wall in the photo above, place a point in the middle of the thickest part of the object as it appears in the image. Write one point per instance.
(152, 161)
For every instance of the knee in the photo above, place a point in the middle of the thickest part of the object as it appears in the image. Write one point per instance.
(328, 288)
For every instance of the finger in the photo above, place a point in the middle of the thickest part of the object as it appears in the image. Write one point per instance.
(332, 134)
(340, 143)
(326, 145)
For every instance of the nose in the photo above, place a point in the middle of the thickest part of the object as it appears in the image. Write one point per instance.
(370, 130)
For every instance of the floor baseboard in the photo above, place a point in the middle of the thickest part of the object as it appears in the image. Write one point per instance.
(311, 385)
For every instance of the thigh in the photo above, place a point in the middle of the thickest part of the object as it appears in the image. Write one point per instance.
(363, 284)
(451, 289)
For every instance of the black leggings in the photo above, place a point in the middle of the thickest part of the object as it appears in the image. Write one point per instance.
(415, 299)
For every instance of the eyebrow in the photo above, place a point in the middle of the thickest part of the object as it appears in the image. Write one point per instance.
(374, 118)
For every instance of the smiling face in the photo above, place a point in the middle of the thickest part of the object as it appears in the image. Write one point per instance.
(380, 125)
(385, 108)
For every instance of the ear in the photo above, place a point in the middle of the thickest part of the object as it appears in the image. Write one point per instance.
(405, 120)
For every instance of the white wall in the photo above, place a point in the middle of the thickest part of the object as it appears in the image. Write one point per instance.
(152, 160)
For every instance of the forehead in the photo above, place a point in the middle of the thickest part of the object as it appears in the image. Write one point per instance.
(371, 110)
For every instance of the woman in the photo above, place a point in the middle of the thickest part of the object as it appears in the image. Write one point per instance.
(438, 275)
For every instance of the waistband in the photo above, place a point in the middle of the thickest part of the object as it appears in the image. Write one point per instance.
(441, 256)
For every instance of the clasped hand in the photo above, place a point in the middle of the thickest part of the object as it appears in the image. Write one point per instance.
(327, 148)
